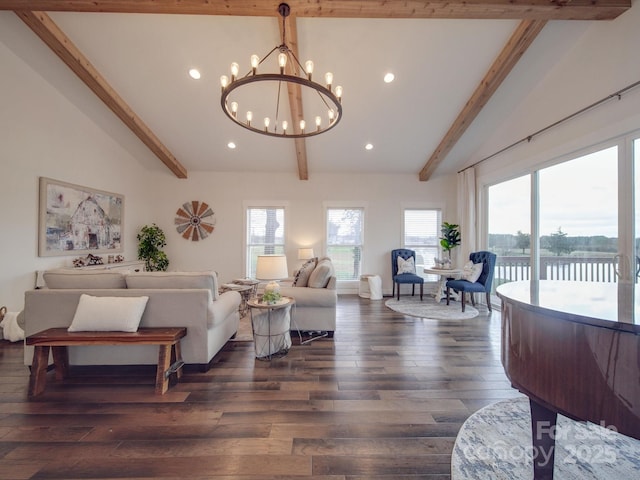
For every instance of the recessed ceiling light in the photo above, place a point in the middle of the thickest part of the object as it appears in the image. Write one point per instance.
(368, 146)
(194, 73)
(231, 145)
(389, 77)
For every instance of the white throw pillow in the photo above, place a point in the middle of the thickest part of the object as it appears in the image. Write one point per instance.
(108, 314)
(406, 266)
(472, 271)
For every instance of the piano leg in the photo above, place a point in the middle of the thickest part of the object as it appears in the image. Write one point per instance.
(543, 431)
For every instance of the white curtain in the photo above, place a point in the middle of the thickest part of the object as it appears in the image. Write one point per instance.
(467, 212)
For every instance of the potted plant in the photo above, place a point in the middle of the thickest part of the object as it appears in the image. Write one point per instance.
(150, 241)
(450, 237)
(271, 297)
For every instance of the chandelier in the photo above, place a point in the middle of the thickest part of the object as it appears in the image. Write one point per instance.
(260, 95)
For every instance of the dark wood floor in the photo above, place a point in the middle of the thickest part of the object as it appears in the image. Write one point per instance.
(384, 399)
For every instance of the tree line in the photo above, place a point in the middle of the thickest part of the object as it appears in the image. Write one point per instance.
(558, 243)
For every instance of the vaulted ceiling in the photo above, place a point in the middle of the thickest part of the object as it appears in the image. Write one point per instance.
(449, 59)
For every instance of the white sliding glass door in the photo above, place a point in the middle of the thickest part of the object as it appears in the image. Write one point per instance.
(510, 229)
(579, 218)
(576, 220)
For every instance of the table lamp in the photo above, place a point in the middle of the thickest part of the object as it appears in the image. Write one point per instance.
(273, 268)
(305, 253)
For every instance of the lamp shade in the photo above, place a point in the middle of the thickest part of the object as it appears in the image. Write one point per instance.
(271, 267)
(305, 253)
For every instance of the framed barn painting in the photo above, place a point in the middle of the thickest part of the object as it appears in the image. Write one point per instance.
(76, 220)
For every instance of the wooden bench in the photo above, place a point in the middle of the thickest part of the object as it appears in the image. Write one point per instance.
(58, 339)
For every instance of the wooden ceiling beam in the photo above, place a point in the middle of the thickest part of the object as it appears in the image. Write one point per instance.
(534, 12)
(294, 91)
(479, 9)
(520, 40)
(301, 155)
(55, 38)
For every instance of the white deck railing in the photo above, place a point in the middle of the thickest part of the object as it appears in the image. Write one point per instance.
(581, 269)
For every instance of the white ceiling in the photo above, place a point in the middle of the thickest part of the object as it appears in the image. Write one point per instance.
(438, 63)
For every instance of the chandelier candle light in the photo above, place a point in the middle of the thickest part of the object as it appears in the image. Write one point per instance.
(327, 110)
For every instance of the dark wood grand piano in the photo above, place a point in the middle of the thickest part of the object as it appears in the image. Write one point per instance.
(573, 348)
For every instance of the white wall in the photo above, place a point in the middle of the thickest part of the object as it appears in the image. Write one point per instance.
(383, 196)
(43, 134)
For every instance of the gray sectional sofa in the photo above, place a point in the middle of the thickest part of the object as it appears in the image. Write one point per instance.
(177, 299)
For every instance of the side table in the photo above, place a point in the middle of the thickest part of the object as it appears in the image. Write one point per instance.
(271, 324)
(441, 290)
(245, 291)
(248, 281)
(247, 294)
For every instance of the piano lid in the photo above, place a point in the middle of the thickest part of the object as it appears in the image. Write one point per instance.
(609, 305)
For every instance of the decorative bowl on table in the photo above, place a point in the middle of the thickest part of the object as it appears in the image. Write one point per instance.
(442, 264)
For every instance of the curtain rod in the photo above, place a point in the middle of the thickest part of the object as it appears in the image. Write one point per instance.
(528, 138)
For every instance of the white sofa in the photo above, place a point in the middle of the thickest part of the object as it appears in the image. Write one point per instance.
(176, 299)
(314, 290)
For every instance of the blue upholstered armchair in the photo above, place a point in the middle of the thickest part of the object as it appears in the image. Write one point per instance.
(483, 284)
(411, 278)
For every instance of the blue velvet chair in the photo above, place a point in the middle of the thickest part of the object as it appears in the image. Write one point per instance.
(482, 285)
(410, 278)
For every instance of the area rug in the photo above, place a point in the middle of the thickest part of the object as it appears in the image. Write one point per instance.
(495, 443)
(428, 308)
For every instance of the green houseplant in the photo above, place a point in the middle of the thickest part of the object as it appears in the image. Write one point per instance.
(450, 237)
(271, 297)
(150, 241)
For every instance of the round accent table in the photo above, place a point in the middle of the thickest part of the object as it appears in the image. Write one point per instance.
(245, 291)
(445, 274)
(271, 324)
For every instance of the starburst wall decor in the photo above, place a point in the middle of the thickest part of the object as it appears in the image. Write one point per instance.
(195, 220)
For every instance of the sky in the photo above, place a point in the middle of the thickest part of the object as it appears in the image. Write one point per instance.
(578, 196)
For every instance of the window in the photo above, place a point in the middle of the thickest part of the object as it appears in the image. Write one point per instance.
(265, 234)
(421, 233)
(510, 229)
(345, 228)
(561, 221)
(579, 218)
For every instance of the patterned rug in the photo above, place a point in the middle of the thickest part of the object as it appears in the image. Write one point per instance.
(428, 308)
(495, 443)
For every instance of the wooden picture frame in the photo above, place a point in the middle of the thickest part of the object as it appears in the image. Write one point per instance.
(77, 220)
